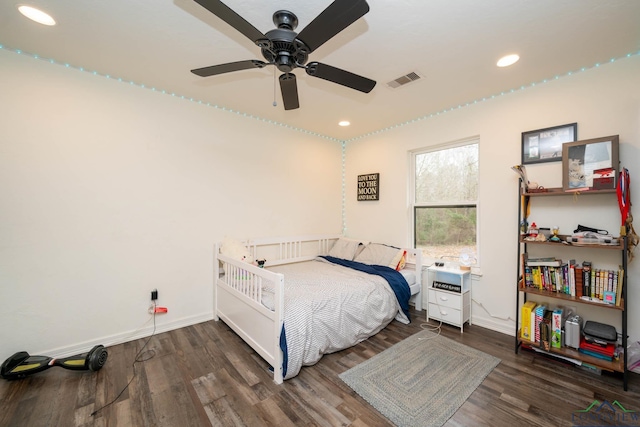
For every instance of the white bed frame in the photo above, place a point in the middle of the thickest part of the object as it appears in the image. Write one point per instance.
(238, 291)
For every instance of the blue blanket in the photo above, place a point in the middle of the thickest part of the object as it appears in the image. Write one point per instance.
(396, 280)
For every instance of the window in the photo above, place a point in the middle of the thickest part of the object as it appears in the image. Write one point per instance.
(445, 197)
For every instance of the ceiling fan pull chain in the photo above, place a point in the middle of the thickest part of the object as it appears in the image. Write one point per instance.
(274, 87)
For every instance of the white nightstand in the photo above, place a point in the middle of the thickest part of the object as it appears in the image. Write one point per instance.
(450, 299)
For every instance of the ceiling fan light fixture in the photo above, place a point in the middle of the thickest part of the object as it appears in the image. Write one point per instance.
(36, 15)
(507, 60)
(288, 50)
(344, 123)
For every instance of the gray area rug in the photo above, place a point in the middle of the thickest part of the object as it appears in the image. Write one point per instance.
(422, 380)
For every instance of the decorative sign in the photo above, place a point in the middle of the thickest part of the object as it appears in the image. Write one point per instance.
(369, 187)
(446, 286)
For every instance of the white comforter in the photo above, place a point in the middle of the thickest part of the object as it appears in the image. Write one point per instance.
(329, 307)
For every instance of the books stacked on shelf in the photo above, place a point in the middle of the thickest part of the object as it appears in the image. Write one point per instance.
(546, 273)
(600, 351)
(602, 285)
(543, 328)
(577, 280)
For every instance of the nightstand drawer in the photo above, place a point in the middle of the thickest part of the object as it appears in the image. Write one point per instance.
(446, 314)
(445, 299)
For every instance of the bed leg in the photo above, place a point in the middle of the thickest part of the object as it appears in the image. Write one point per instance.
(277, 376)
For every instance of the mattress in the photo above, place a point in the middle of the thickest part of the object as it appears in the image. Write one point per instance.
(410, 277)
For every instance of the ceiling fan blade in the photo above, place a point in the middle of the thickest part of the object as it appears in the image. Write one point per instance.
(227, 14)
(228, 67)
(335, 18)
(342, 77)
(289, 89)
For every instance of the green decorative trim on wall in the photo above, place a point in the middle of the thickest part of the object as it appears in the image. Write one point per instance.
(296, 129)
(284, 125)
(164, 92)
(344, 188)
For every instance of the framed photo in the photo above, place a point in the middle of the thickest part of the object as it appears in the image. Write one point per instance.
(591, 164)
(545, 145)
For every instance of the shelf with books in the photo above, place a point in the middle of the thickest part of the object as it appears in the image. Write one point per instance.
(569, 298)
(581, 282)
(554, 286)
(616, 365)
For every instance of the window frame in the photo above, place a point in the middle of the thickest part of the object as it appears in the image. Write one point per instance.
(414, 206)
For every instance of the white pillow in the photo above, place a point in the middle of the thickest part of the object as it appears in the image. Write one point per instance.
(378, 254)
(344, 248)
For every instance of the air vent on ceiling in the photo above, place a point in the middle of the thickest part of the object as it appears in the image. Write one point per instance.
(403, 80)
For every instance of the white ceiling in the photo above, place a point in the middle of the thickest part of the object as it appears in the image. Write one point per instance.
(453, 44)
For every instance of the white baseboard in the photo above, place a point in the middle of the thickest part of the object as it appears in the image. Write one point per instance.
(142, 332)
(146, 330)
(494, 326)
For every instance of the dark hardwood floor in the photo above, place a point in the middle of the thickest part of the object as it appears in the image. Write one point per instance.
(205, 375)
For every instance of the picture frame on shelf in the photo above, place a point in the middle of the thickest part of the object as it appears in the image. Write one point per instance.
(545, 145)
(591, 164)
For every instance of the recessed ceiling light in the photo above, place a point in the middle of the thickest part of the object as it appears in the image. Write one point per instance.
(36, 15)
(507, 60)
(344, 123)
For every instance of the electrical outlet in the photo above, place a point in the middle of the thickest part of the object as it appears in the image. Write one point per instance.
(154, 295)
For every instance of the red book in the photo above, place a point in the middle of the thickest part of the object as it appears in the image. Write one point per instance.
(607, 350)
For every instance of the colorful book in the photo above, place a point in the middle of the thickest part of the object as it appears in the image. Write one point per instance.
(539, 313)
(606, 350)
(579, 282)
(586, 277)
(526, 329)
(594, 354)
(572, 280)
(528, 277)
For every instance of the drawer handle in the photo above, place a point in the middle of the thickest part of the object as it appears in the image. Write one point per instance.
(444, 298)
(444, 313)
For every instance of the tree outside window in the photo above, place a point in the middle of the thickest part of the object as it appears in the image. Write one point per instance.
(445, 201)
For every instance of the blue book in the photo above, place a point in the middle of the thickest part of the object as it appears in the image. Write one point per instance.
(594, 354)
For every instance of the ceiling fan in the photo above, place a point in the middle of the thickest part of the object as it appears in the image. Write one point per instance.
(288, 50)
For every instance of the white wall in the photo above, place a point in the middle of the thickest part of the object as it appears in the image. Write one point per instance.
(109, 191)
(603, 101)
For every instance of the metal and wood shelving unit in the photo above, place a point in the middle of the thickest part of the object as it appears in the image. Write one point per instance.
(617, 365)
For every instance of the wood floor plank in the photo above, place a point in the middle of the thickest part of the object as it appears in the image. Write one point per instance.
(141, 398)
(272, 411)
(222, 414)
